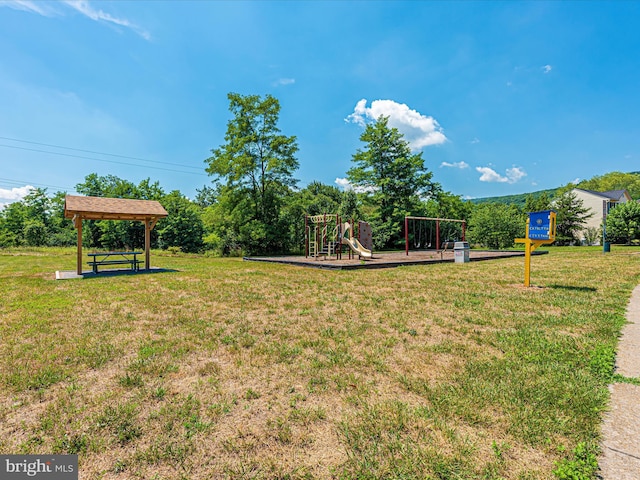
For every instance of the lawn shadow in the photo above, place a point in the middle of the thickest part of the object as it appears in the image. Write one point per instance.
(573, 288)
(89, 275)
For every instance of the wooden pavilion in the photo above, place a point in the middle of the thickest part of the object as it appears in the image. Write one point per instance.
(97, 208)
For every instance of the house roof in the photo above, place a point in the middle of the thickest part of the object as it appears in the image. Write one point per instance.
(614, 195)
(99, 208)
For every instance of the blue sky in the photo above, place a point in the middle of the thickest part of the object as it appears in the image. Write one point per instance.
(501, 97)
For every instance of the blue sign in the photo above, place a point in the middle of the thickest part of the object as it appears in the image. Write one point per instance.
(541, 227)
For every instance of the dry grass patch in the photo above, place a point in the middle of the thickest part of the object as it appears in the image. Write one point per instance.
(225, 369)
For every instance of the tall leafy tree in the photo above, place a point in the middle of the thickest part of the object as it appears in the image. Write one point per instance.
(623, 223)
(571, 217)
(255, 170)
(496, 225)
(14, 217)
(62, 232)
(537, 203)
(350, 206)
(183, 226)
(396, 179)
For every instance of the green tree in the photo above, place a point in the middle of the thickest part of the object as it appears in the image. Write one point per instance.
(255, 167)
(35, 233)
(395, 178)
(205, 196)
(61, 230)
(183, 226)
(571, 217)
(350, 206)
(37, 206)
(14, 217)
(537, 203)
(220, 224)
(36, 220)
(496, 225)
(623, 223)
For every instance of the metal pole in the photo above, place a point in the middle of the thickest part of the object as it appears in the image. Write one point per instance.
(604, 226)
(406, 235)
(437, 234)
(339, 239)
(306, 236)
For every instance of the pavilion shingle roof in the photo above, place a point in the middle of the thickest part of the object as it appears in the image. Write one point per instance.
(99, 208)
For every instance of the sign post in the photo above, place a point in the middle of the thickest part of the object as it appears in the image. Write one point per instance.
(541, 229)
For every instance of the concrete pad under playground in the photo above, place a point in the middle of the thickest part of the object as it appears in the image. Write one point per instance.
(620, 458)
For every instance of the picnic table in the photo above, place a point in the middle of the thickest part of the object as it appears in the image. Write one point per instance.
(115, 258)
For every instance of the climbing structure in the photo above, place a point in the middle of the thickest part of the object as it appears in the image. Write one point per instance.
(322, 235)
(325, 235)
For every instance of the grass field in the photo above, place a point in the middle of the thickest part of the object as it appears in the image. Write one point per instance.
(231, 369)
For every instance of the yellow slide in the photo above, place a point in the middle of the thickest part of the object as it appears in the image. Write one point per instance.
(356, 246)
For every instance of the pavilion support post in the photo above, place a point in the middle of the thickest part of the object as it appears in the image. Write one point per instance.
(77, 220)
(147, 243)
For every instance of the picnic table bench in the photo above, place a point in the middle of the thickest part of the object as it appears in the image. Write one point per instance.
(114, 258)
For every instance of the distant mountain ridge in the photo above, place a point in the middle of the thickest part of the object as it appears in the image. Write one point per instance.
(519, 199)
(599, 183)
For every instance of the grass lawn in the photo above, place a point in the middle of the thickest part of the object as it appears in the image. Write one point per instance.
(231, 369)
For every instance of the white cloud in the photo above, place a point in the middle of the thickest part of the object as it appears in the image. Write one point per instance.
(459, 165)
(475, 140)
(15, 194)
(419, 130)
(514, 174)
(47, 9)
(490, 175)
(547, 68)
(343, 183)
(99, 15)
(41, 8)
(346, 185)
(284, 81)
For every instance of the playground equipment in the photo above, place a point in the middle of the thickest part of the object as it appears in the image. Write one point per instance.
(422, 235)
(353, 243)
(325, 234)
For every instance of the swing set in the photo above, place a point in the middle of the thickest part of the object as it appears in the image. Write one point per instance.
(422, 235)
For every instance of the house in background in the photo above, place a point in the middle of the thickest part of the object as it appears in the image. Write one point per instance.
(599, 203)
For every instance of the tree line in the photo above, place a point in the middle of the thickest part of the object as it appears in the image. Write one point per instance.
(253, 205)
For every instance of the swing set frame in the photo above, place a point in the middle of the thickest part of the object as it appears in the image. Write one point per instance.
(437, 220)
